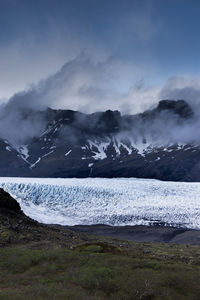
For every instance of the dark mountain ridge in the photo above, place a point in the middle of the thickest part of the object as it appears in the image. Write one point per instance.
(107, 144)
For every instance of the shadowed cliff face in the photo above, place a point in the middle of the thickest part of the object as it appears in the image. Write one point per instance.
(179, 107)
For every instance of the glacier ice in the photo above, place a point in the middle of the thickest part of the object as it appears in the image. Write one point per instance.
(116, 201)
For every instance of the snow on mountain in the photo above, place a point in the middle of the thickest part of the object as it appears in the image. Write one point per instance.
(23, 152)
(108, 201)
(107, 144)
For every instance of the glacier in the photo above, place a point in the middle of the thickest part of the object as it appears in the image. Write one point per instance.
(116, 201)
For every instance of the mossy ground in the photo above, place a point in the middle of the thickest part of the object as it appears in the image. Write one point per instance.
(54, 262)
(100, 270)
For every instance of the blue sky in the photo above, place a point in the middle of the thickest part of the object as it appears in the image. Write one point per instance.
(145, 41)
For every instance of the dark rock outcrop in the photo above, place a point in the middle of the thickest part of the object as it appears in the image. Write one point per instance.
(17, 228)
(179, 107)
(8, 203)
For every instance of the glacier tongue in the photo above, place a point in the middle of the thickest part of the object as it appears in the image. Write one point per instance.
(109, 201)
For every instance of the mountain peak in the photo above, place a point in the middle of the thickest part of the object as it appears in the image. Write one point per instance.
(108, 144)
(179, 107)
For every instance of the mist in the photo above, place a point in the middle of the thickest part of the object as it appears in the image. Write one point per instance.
(89, 86)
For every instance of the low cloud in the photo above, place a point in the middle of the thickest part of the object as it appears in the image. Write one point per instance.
(89, 86)
(182, 87)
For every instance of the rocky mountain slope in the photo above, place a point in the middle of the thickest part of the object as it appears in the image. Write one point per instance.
(107, 144)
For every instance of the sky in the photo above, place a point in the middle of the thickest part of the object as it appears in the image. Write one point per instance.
(93, 55)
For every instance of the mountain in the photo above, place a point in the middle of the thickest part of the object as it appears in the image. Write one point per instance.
(107, 144)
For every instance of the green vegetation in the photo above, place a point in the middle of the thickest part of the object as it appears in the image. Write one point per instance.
(53, 262)
(99, 270)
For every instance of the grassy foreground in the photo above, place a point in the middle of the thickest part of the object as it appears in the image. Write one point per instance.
(53, 262)
(99, 270)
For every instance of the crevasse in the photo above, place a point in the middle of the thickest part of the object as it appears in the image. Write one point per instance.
(107, 201)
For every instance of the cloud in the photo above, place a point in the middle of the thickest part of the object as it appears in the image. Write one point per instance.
(88, 85)
(140, 98)
(138, 26)
(23, 63)
(49, 35)
(114, 73)
(81, 84)
(28, 59)
(18, 126)
(182, 87)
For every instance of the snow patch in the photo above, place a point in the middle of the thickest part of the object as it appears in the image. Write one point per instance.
(48, 153)
(101, 147)
(66, 154)
(35, 163)
(129, 150)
